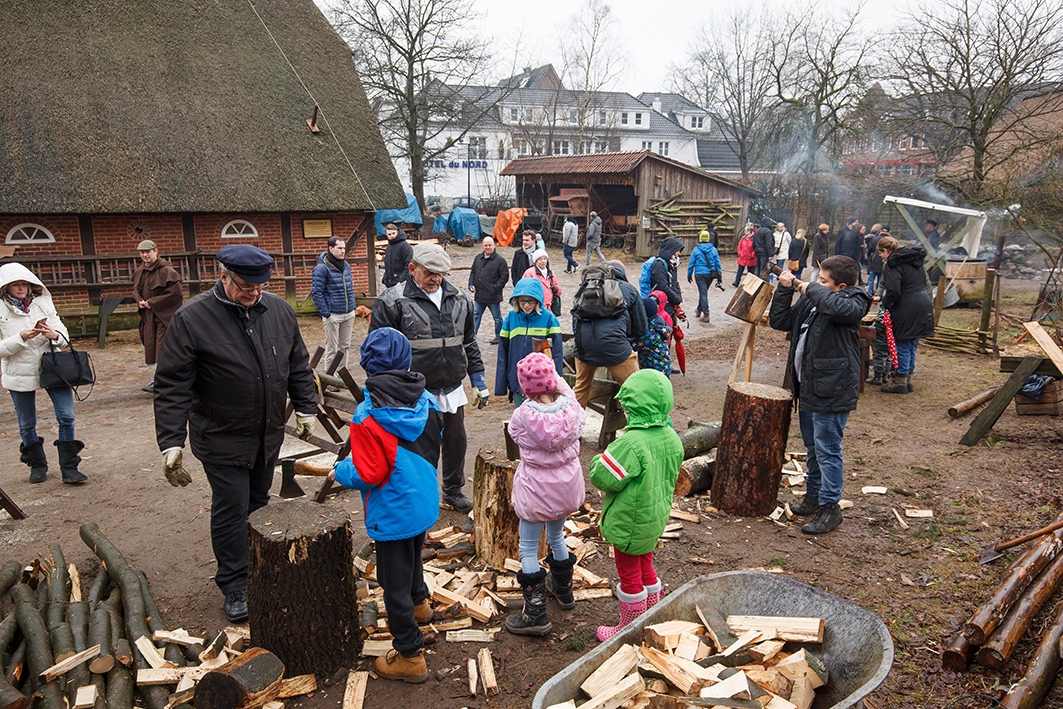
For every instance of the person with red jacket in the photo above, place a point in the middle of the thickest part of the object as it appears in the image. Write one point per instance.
(747, 258)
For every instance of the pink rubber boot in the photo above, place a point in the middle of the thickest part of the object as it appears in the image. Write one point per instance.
(631, 607)
(654, 594)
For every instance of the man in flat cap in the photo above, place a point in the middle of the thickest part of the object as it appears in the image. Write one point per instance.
(437, 319)
(157, 290)
(231, 358)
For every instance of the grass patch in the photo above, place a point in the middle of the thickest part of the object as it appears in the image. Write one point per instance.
(931, 532)
(778, 561)
(925, 472)
(578, 642)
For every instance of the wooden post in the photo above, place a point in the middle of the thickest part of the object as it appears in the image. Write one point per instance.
(756, 423)
(939, 299)
(496, 524)
(989, 415)
(301, 595)
(987, 306)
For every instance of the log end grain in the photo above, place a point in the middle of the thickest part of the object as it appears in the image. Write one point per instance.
(250, 680)
(760, 391)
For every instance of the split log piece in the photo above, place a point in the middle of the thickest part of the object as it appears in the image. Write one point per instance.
(700, 439)
(998, 648)
(75, 584)
(715, 626)
(297, 686)
(307, 569)
(986, 619)
(957, 654)
(150, 653)
(473, 676)
(666, 664)
(246, 682)
(610, 672)
(58, 590)
(756, 423)
(619, 693)
(85, 697)
(239, 637)
(802, 630)
(1029, 693)
(695, 475)
(65, 665)
(172, 653)
(216, 645)
(38, 651)
(487, 672)
(354, 692)
(100, 634)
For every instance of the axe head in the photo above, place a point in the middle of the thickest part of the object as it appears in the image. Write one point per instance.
(289, 487)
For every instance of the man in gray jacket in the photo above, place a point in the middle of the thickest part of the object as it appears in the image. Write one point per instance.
(569, 242)
(594, 237)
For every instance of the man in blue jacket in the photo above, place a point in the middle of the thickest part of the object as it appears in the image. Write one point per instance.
(703, 267)
(333, 292)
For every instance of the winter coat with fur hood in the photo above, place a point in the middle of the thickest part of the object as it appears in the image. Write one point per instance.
(20, 360)
(905, 295)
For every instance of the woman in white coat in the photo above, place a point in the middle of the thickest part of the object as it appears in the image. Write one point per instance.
(28, 327)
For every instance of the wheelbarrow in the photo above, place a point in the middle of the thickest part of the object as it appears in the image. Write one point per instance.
(856, 648)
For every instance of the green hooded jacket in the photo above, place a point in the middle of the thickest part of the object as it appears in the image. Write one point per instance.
(639, 469)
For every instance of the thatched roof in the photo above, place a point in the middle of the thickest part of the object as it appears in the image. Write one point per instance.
(125, 106)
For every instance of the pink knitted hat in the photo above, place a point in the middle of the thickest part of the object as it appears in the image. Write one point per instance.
(536, 374)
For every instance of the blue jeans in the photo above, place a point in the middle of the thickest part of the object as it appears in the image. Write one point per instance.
(906, 355)
(822, 434)
(872, 281)
(529, 542)
(703, 280)
(26, 413)
(478, 313)
(571, 264)
(741, 270)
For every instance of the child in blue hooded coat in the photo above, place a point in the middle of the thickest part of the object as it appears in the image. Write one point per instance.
(528, 327)
(395, 441)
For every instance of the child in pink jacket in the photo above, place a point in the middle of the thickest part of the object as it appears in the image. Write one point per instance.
(547, 487)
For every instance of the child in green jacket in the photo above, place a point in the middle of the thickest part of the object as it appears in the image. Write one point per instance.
(638, 473)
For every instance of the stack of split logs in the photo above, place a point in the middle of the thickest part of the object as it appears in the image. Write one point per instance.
(65, 649)
(738, 661)
(991, 635)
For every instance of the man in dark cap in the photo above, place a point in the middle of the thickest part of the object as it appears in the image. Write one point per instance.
(930, 231)
(231, 358)
(437, 319)
(157, 290)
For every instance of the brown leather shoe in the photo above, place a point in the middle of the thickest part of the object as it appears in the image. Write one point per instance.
(408, 669)
(422, 612)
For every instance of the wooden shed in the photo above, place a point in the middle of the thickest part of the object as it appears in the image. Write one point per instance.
(641, 196)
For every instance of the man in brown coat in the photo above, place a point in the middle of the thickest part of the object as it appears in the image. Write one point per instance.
(157, 290)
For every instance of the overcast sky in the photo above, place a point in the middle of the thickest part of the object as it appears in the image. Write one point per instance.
(653, 33)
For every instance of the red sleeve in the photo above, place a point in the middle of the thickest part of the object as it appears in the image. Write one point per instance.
(372, 451)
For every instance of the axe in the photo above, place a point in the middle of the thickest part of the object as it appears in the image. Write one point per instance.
(290, 468)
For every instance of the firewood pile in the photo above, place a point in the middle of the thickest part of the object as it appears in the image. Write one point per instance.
(737, 661)
(678, 217)
(67, 649)
(992, 633)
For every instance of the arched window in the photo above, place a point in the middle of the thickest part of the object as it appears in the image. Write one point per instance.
(29, 234)
(239, 229)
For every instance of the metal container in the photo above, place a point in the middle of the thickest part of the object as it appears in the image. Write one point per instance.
(856, 648)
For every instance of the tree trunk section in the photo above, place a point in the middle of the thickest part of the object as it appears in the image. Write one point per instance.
(986, 619)
(497, 526)
(996, 651)
(957, 654)
(1030, 692)
(700, 438)
(756, 423)
(301, 595)
(695, 475)
(248, 681)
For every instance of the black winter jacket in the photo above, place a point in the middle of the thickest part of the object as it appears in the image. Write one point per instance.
(224, 374)
(820, 248)
(443, 339)
(798, 252)
(764, 240)
(665, 278)
(830, 367)
(905, 294)
(848, 243)
(521, 263)
(607, 341)
(397, 259)
(489, 276)
(874, 260)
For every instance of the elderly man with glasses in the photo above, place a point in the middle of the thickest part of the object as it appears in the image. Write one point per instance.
(231, 358)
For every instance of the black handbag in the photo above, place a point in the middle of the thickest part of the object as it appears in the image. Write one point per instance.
(70, 369)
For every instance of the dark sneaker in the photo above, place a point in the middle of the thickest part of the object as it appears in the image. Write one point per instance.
(806, 507)
(494, 341)
(457, 502)
(150, 388)
(828, 517)
(236, 606)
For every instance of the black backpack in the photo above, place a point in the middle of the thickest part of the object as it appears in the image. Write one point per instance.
(599, 295)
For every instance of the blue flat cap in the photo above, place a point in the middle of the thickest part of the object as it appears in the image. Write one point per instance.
(250, 263)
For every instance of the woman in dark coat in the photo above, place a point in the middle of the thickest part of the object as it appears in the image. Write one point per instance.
(910, 308)
(820, 249)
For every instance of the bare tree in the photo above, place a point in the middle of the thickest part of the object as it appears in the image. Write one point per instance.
(819, 66)
(591, 63)
(424, 69)
(980, 79)
(733, 75)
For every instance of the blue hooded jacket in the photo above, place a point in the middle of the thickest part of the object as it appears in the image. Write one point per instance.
(396, 434)
(704, 259)
(523, 334)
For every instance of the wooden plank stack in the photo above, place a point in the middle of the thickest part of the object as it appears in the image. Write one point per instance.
(686, 218)
(682, 663)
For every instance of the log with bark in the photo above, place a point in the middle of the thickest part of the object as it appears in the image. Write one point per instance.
(98, 588)
(695, 475)
(998, 648)
(700, 438)
(1022, 573)
(100, 634)
(10, 697)
(301, 593)
(58, 588)
(16, 669)
(38, 647)
(10, 573)
(496, 524)
(756, 423)
(119, 687)
(1029, 693)
(248, 681)
(172, 653)
(957, 410)
(957, 654)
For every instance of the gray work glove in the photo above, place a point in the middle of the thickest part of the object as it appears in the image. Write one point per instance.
(175, 473)
(304, 426)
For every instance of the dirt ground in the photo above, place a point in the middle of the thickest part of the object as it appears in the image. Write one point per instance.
(923, 582)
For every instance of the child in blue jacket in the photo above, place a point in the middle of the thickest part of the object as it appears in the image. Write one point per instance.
(395, 441)
(528, 327)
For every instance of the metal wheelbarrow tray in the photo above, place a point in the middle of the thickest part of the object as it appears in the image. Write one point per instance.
(856, 648)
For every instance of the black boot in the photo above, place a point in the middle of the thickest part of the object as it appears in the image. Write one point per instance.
(533, 620)
(69, 459)
(828, 517)
(896, 385)
(806, 507)
(33, 456)
(559, 580)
